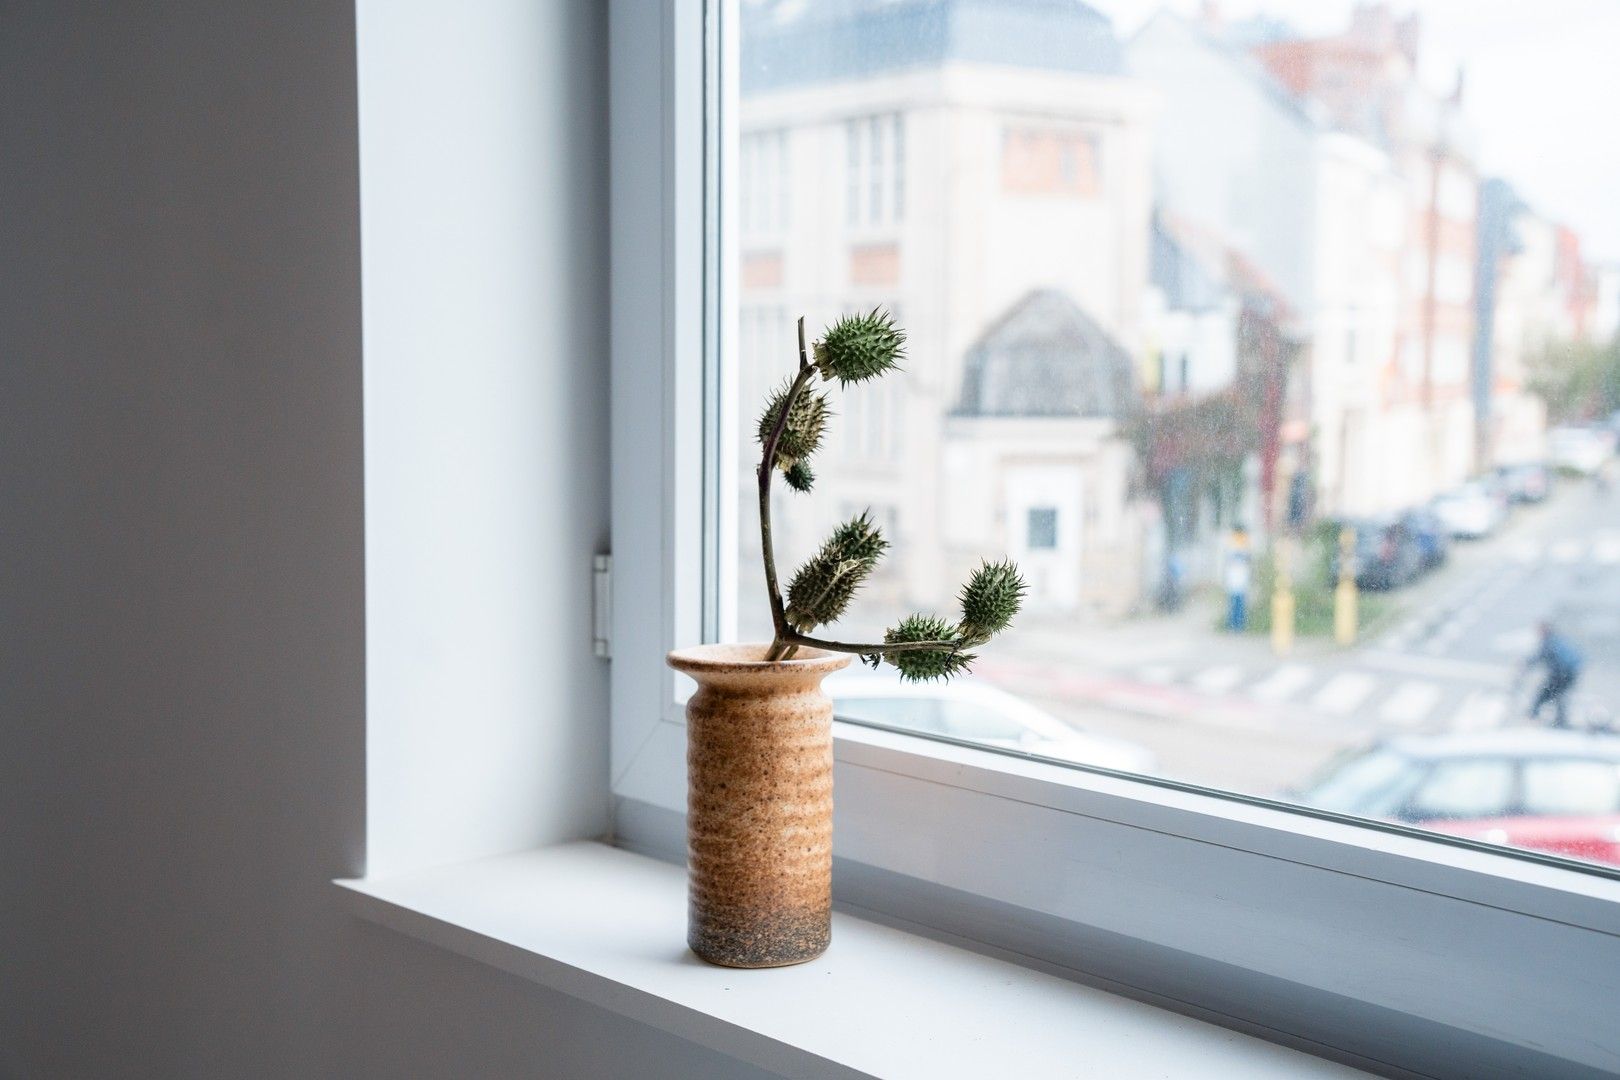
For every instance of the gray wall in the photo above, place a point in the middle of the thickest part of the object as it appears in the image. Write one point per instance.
(182, 603)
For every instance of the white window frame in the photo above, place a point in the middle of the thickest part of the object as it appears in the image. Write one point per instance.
(1368, 943)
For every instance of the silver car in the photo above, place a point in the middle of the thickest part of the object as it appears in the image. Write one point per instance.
(977, 712)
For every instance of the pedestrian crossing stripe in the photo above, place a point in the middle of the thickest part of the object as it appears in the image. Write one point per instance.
(1525, 551)
(1565, 551)
(1604, 549)
(1218, 680)
(1479, 711)
(1411, 702)
(1283, 683)
(1344, 693)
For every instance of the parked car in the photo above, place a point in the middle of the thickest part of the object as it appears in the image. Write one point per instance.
(1528, 482)
(1552, 791)
(1431, 535)
(1388, 554)
(1580, 449)
(1497, 487)
(1470, 512)
(972, 710)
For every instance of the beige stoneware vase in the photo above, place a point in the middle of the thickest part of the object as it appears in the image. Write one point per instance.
(759, 761)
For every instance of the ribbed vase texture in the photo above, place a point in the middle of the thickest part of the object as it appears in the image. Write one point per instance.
(759, 804)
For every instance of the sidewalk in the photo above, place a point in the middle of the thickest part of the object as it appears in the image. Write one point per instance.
(1094, 644)
(1143, 640)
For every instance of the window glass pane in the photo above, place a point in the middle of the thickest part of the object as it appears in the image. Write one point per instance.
(915, 712)
(852, 172)
(979, 720)
(1464, 789)
(1571, 788)
(875, 142)
(898, 168)
(1042, 528)
(1280, 358)
(1374, 784)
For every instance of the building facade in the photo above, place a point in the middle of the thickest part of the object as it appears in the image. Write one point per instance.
(944, 177)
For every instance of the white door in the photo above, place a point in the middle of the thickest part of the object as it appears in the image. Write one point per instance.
(1043, 532)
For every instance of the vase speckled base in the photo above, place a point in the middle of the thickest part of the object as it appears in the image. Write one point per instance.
(759, 760)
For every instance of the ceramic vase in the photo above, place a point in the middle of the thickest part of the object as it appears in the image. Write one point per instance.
(759, 759)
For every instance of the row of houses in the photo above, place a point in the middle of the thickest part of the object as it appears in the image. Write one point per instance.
(1154, 287)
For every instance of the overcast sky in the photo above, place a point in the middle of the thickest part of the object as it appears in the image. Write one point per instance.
(1542, 89)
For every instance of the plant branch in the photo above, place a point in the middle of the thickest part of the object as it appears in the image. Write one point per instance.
(795, 639)
(767, 466)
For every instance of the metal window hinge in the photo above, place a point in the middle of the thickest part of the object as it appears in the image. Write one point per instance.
(602, 605)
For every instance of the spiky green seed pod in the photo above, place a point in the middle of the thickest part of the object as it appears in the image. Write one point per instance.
(823, 587)
(990, 599)
(925, 664)
(806, 424)
(799, 477)
(860, 347)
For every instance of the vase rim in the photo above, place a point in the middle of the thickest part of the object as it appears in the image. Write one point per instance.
(719, 658)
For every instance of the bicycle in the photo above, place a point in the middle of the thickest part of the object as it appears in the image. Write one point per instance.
(1582, 712)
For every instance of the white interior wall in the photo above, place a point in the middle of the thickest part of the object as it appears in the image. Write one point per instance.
(183, 599)
(483, 207)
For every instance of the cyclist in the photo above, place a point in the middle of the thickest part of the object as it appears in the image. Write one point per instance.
(1562, 661)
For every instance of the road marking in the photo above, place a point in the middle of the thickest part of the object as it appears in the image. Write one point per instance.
(1413, 700)
(1519, 641)
(1525, 551)
(1156, 673)
(1343, 693)
(1444, 638)
(1480, 710)
(1218, 680)
(1436, 667)
(1282, 683)
(1401, 637)
(1565, 551)
(1607, 550)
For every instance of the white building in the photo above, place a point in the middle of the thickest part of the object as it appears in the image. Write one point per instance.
(1326, 217)
(1039, 460)
(971, 163)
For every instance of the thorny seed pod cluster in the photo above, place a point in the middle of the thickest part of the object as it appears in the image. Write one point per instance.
(792, 427)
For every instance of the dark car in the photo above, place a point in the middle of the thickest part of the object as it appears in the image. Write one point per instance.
(1530, 482)
(1430, 534)
(1553, 791)
(1388, 555)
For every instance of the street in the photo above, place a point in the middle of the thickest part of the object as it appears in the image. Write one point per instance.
(1223, 710)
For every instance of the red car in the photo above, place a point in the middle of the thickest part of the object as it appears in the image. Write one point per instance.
(1552, 791)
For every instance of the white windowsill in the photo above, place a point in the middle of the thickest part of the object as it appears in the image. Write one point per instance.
(608, 927)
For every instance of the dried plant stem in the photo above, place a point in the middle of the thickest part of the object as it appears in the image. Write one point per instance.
(787, 638)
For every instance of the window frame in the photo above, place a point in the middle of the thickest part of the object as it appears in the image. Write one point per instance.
(1365, 942)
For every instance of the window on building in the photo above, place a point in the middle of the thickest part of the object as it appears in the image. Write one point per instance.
(875, 170)
(1042, 530)
(853, 171)
(1043, 160)
(897, 166)
(764, 182)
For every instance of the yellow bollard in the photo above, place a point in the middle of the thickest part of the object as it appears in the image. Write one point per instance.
(1282, 601)
(1344, 595)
